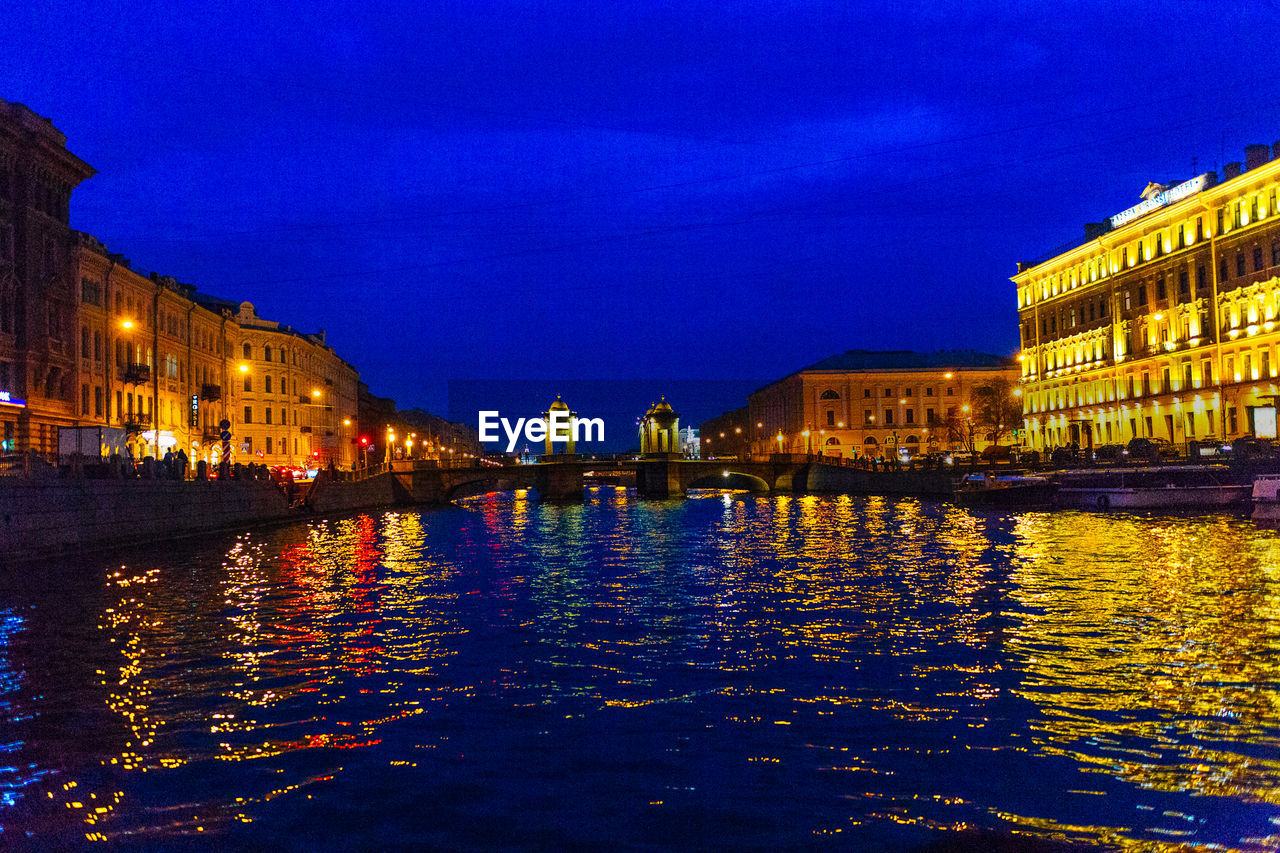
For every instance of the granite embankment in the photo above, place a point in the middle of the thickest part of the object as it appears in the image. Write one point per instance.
(51, 516)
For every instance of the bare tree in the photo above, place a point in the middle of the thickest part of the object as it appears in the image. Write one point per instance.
(998, 409)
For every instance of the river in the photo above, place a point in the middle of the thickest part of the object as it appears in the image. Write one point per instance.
(722, 672)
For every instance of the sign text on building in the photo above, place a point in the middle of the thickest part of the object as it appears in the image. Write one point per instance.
(1169, 196)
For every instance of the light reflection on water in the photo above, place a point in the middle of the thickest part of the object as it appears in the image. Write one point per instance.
(735, 671)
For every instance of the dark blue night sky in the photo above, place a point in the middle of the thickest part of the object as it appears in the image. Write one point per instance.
(722, 191)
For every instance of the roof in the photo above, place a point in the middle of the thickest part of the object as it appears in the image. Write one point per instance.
(865, 359)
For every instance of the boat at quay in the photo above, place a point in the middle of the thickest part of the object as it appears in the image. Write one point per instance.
(1207, 487)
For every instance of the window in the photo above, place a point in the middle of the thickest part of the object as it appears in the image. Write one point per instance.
(266, 356)
(269, 439)
(248, 414)
(831, 417)
(829, 395)
(248, 351)
(1201, 281)
(84, 399)
(951, 392)
(888, 417)
(1224, 271)
(1102, 308)
(1184, 283)
(888, 392)
(907, 392)
(1239, 263)
(1257, 258)
(283, 389)
(1186, 375)
(930, 416)
(1275, 254)
(928, 392)
(267, 414)
(866, 392)
(910, 416)
(1199, 228)
(248, 382)
(266, 383)
(97, 401)
(1142, 294)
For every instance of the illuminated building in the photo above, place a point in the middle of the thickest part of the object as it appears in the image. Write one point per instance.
(660, 431)
(1161, 323)
(868, 403)
(152, 360)
(37, 289)
(293, 401)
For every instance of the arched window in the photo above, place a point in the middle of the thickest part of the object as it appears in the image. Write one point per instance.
(911, 439)
(829, 395)
(871, 440)
(833, 441)
(248, 351)
(266, 353)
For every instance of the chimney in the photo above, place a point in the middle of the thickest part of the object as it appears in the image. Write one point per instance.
(1255, 156)
(1231, 170)
(1094, 230)
(1275, 150)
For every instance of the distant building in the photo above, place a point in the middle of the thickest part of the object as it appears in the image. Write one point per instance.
(690, 443)
(1163, 321)
(38, 290)
(726, 435)
(878, 403)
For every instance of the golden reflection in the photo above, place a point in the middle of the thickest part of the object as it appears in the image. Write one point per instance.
(1152, 675)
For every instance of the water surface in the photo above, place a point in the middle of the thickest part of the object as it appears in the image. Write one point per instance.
(734, 672)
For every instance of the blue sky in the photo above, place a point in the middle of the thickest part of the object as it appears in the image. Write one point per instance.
(721, 191)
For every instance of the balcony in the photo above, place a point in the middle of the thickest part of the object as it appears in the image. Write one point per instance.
(136, 374)
(211, 393)
(211, 434)
(136, 422)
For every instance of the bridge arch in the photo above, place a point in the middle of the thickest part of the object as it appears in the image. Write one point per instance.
(472, 487)
(730, 479)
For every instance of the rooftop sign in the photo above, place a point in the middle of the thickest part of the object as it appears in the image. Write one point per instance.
(1169, 196)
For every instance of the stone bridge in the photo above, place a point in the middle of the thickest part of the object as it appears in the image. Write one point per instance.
(564, 480)
(657, 478)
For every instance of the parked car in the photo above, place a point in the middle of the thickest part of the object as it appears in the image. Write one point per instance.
(1110, 453)
(1152, 448)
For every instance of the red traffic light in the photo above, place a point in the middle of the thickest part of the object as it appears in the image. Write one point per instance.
(364, 439)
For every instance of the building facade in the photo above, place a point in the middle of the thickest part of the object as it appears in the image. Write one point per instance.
(151, 359)
(37, 287)
(1162, 323)
(293, 402)
(881, 404)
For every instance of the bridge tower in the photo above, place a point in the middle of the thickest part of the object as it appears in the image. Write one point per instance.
(660, 432)
(562, 436)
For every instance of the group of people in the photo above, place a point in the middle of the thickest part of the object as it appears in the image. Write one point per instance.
(173, 466)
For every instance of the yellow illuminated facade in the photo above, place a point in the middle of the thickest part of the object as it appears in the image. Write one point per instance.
(874, 404)
(150, 360)
(1163, 324)
(294, 401)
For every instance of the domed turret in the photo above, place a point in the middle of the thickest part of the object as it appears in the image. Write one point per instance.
(559, 427)
(660, 430)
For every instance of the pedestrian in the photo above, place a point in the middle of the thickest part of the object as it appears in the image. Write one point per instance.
(166, 465)
(180, 463)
